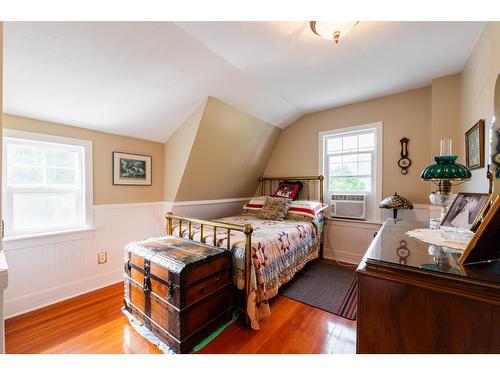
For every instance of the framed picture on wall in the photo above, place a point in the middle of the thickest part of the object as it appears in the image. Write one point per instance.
(131, 169)
(474, 146)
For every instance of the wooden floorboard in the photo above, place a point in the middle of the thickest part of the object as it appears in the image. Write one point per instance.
(94, 323)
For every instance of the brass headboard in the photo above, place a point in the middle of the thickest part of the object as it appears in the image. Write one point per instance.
(272, 183)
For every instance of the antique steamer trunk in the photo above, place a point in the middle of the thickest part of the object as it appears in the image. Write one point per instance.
(180, 289)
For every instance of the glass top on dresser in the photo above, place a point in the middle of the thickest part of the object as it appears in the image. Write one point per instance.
(392, 245)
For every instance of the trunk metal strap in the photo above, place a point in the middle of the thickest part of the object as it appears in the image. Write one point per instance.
(147, 292)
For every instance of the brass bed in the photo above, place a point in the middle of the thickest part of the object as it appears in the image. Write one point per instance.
(266, 186)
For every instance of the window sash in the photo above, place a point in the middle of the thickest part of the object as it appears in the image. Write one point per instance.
(77, 189)
(351, 152)
(42, 227)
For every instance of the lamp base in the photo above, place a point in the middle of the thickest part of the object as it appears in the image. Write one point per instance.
(443, 199)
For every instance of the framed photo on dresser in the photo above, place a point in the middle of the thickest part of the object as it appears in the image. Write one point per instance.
(466, 210)
(485, 244)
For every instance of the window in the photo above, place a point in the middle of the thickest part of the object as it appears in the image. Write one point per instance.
(46, 183)
(350, 161)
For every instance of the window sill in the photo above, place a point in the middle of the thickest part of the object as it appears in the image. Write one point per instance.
(40, 239)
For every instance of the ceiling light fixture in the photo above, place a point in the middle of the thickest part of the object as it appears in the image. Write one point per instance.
(332, 30)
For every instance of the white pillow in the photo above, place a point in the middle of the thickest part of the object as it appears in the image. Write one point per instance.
(306, 208)
(301, 208)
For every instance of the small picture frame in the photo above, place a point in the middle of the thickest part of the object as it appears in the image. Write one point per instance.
(466, 210)
(474, 146)
(131, 169)
(484, 246)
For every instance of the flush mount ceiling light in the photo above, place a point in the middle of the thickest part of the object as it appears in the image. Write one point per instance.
(332, 30)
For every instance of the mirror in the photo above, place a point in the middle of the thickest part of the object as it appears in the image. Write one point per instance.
(495, 138)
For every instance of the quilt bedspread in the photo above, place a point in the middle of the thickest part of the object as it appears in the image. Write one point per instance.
(279, 250)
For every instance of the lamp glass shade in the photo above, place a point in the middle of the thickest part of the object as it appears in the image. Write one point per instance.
(445, 169)
(328, 29)
(396, 201)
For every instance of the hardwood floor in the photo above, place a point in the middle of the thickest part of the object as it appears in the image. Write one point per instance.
(94, 323)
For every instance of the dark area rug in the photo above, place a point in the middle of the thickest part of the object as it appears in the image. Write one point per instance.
(326, 286)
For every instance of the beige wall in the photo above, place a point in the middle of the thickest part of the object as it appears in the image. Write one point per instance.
(103, 146)
(478, 83)
(229, 154)
(177, 150)
(1, 119)
(445, 112)
(406, 114)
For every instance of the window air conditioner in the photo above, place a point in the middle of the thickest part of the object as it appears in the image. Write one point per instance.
(349, 206)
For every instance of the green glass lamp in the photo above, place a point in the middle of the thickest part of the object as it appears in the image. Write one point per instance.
(445, 174)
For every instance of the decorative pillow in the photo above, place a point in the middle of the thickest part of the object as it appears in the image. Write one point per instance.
(288, 189)
(255, 204)
(275, 208)
(306, 208)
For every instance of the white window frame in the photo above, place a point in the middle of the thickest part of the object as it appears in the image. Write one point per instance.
(87, 179)
(376, 195)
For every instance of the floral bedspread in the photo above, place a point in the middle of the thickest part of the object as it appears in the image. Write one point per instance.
(279, 250)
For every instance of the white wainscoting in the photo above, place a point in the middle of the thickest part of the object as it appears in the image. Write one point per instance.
(58, 270)
(347, 241)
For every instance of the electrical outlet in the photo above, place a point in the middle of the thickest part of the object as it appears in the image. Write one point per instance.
(102, 257)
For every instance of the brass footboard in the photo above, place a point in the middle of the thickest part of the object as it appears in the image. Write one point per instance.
(246, 229)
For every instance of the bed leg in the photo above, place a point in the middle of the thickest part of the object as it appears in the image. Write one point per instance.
(247, 230)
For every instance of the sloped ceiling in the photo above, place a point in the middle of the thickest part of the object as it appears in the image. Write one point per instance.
(141, 79)
(144, 79)
(227, 155)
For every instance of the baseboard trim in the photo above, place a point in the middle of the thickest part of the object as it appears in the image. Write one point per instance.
(37, 300)
(343, 256)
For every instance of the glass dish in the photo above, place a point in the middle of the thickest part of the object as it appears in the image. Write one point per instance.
(456, 234)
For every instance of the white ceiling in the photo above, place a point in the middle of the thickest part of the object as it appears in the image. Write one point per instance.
(143, 79)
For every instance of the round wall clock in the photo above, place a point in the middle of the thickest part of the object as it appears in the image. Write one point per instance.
(404, 162)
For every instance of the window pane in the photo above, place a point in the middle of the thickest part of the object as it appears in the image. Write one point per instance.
(61, 158)
(22, 175)
(350, 143)
(37, 212)
(334, 144)
(25, 155)
(58, 176)
(337, 159)
(343, 169)
(365, 168)
(365, 157)
(366, 141)
(349, 158)
(350, 184)
(335, 169)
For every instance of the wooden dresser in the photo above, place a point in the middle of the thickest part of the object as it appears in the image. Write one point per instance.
(417, 298)
(180, 289)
